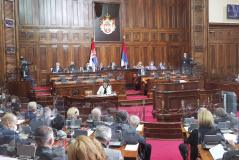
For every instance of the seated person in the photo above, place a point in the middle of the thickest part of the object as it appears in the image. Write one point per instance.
(205, 123)
(9, 135)
(101, 67)
(16, 109)
(106, 89)
(44, 138)
(96, 115)
(134, 121)
(129, 132)
(103, 134)
(162, 66)
(58, 123)
(151, 66)
(72, 68)
(138, 65)
(57, 69)
(87, 68)
(32, 108)
(221, 116)
(141, 71)
(6, 107)
(86, 148)
(185, 63)
(72, 114)
(112, 66)
(125, 66)
(42, 119)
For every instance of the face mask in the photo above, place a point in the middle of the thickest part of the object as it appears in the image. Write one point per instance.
(185, 56)
(57, 66)
(14, 129)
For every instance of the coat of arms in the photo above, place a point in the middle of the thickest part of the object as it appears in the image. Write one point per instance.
(107, 25)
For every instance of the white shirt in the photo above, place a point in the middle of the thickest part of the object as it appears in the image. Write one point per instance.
(101, 90)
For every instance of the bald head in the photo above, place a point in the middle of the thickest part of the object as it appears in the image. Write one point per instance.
(134, 121)
(72, 63)
(96, 114)
(9, 121)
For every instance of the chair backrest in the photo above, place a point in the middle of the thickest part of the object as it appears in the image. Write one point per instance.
(25, 129)
(79, 132)
(26, 151)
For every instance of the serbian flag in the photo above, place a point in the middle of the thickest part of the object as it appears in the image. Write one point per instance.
(93, 57)
(124, 56)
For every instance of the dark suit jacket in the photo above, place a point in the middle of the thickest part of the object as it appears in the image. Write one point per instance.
(186, 61)
(123, 67)
(139, 72)
(90, 69)
(55, 70)
(110, 68)
(29, 115)
(101, 68)
(46, 153)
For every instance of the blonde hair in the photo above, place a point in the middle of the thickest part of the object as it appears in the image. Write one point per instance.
(84, 148)
(205, 118)
(73, 111)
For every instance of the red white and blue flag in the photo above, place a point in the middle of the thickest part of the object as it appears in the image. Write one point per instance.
(124, 56)
(93, 57)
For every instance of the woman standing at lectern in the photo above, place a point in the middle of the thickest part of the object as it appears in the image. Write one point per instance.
(105, 89)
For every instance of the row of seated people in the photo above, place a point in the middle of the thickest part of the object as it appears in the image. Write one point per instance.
(44, 137)
(74, 69)
(207, 126)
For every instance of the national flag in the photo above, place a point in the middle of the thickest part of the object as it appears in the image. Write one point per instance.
(93, 57)
(124, 55)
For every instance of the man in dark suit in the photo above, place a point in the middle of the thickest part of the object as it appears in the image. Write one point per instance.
(72, 68)
(141, 71)
(57, 69)
(45, 138)
(113, 66)
(88, 68)
(185, 63)
(125, 66)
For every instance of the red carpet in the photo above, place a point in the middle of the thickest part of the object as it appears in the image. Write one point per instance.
(165, 150)
(136, 97)
(132, 91)
(42, 88)
(43, 93)
(138, 110)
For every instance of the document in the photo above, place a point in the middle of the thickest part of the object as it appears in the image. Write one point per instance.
(131, 147)
(139, 128)
(20, 121)
(186, 128)
(230, 137)
(217, 152)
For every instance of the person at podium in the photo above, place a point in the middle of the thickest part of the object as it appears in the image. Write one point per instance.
(141, 71)
(185, 63)
(105, 89)
(72, 68)
(112, 66)
(125, 66)
(87, 68)
(57, 69)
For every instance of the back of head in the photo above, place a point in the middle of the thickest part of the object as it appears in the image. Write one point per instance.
(134, 121)
(220, 112)
(9, 117)
(58, 122)
(32, 106)
(15, 107)
(73, 112)
(122, 116)
(103, 133)
(84, 148)
(43, 134)
(205, 118)
(96, 114)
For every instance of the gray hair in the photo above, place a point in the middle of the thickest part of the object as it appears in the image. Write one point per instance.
(96, 113)
(134, 120)
(122, 116)
(102, 133)
(43, 134)
(32, 106)
(46, 112)
(220, 112)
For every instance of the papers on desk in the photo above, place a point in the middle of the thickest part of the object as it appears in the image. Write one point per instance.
(230, 137)
(7, 158)
(139, 128)
(20, 121)
(186, 128)
(217, 152)
(131, 147)
(182, 81)
(90, 132)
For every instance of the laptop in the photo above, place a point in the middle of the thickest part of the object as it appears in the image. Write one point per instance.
(25, 131)
(188, 121)
(26, 152)
(192, 127)
(78, 123)
(212, 140)
(83, 131)
(225, 127)
(116, 139)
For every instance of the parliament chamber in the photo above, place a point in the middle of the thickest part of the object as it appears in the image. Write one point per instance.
(143, 72)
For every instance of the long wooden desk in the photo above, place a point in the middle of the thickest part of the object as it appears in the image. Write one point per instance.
(78, 90)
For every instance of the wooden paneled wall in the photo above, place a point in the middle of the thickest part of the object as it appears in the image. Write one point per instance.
(2, 42)
(223, 55)
(48, 31)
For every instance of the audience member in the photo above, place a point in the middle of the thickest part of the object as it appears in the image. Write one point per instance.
(101, 67)
(85, 148)
(58, 123)
(151, 66)
(205, 123)
(16, 109)
(9, 135)
(129, 132)
(44, 138)
(112, 66)
(32, 108)
(221, 116)
(43, 119)
(134, 121)
(72, 68)
(103, 134)
(73, 112)
(87, 68)
(57, 69)
(141, 71)
(96, 115)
